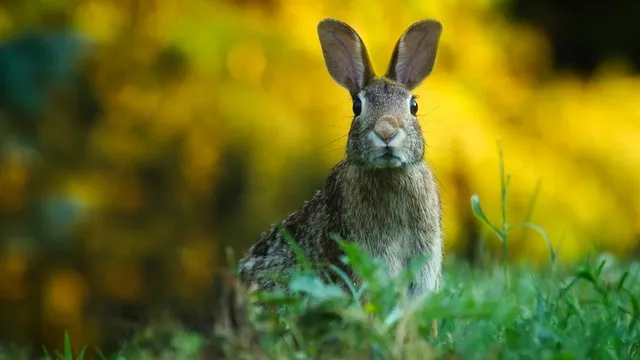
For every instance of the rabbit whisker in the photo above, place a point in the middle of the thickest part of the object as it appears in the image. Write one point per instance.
(333, 141)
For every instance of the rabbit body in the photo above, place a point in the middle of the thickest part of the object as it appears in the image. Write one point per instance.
(383, 195)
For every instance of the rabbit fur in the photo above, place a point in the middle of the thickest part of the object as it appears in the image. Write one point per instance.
(383, 195)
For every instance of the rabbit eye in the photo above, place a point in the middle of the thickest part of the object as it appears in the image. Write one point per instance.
(413, 106)
(357, 107)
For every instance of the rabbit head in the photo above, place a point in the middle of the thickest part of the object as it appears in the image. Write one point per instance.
(385, 132)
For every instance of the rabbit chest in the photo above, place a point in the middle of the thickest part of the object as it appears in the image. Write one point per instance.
(395, 217)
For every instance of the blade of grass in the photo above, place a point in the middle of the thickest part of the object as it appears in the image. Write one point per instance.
(545, 237)
(301, 258)
(477, 211)
(530, 207)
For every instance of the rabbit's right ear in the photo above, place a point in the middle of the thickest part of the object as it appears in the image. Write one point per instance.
(415, 53)
(345, 55)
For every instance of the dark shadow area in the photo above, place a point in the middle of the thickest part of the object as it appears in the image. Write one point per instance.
(585, 34)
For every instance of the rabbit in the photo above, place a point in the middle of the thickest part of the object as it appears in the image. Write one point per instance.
(382, 195)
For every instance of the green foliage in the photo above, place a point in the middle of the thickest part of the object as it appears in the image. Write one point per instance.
(67, 354)
(502, 232)
(591, 311)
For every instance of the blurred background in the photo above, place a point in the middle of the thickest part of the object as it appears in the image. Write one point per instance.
(141, 138)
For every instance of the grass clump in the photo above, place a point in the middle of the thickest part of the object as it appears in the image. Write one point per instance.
(590, 311)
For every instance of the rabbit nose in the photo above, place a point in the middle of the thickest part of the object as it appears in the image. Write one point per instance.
(386, 128)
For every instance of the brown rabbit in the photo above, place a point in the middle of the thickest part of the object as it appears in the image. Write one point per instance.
(383, 195)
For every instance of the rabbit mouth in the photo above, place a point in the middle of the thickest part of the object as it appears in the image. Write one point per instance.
(387, 160)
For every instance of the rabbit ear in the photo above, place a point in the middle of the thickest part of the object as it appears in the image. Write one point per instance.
(345, 55)
(415, 53)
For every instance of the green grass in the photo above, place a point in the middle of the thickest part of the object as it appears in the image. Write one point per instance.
(588, 312)
(506, 311)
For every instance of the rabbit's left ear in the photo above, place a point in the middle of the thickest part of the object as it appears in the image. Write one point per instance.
(415, 53)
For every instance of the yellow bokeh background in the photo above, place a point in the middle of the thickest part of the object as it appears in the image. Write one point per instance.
(219, 118)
